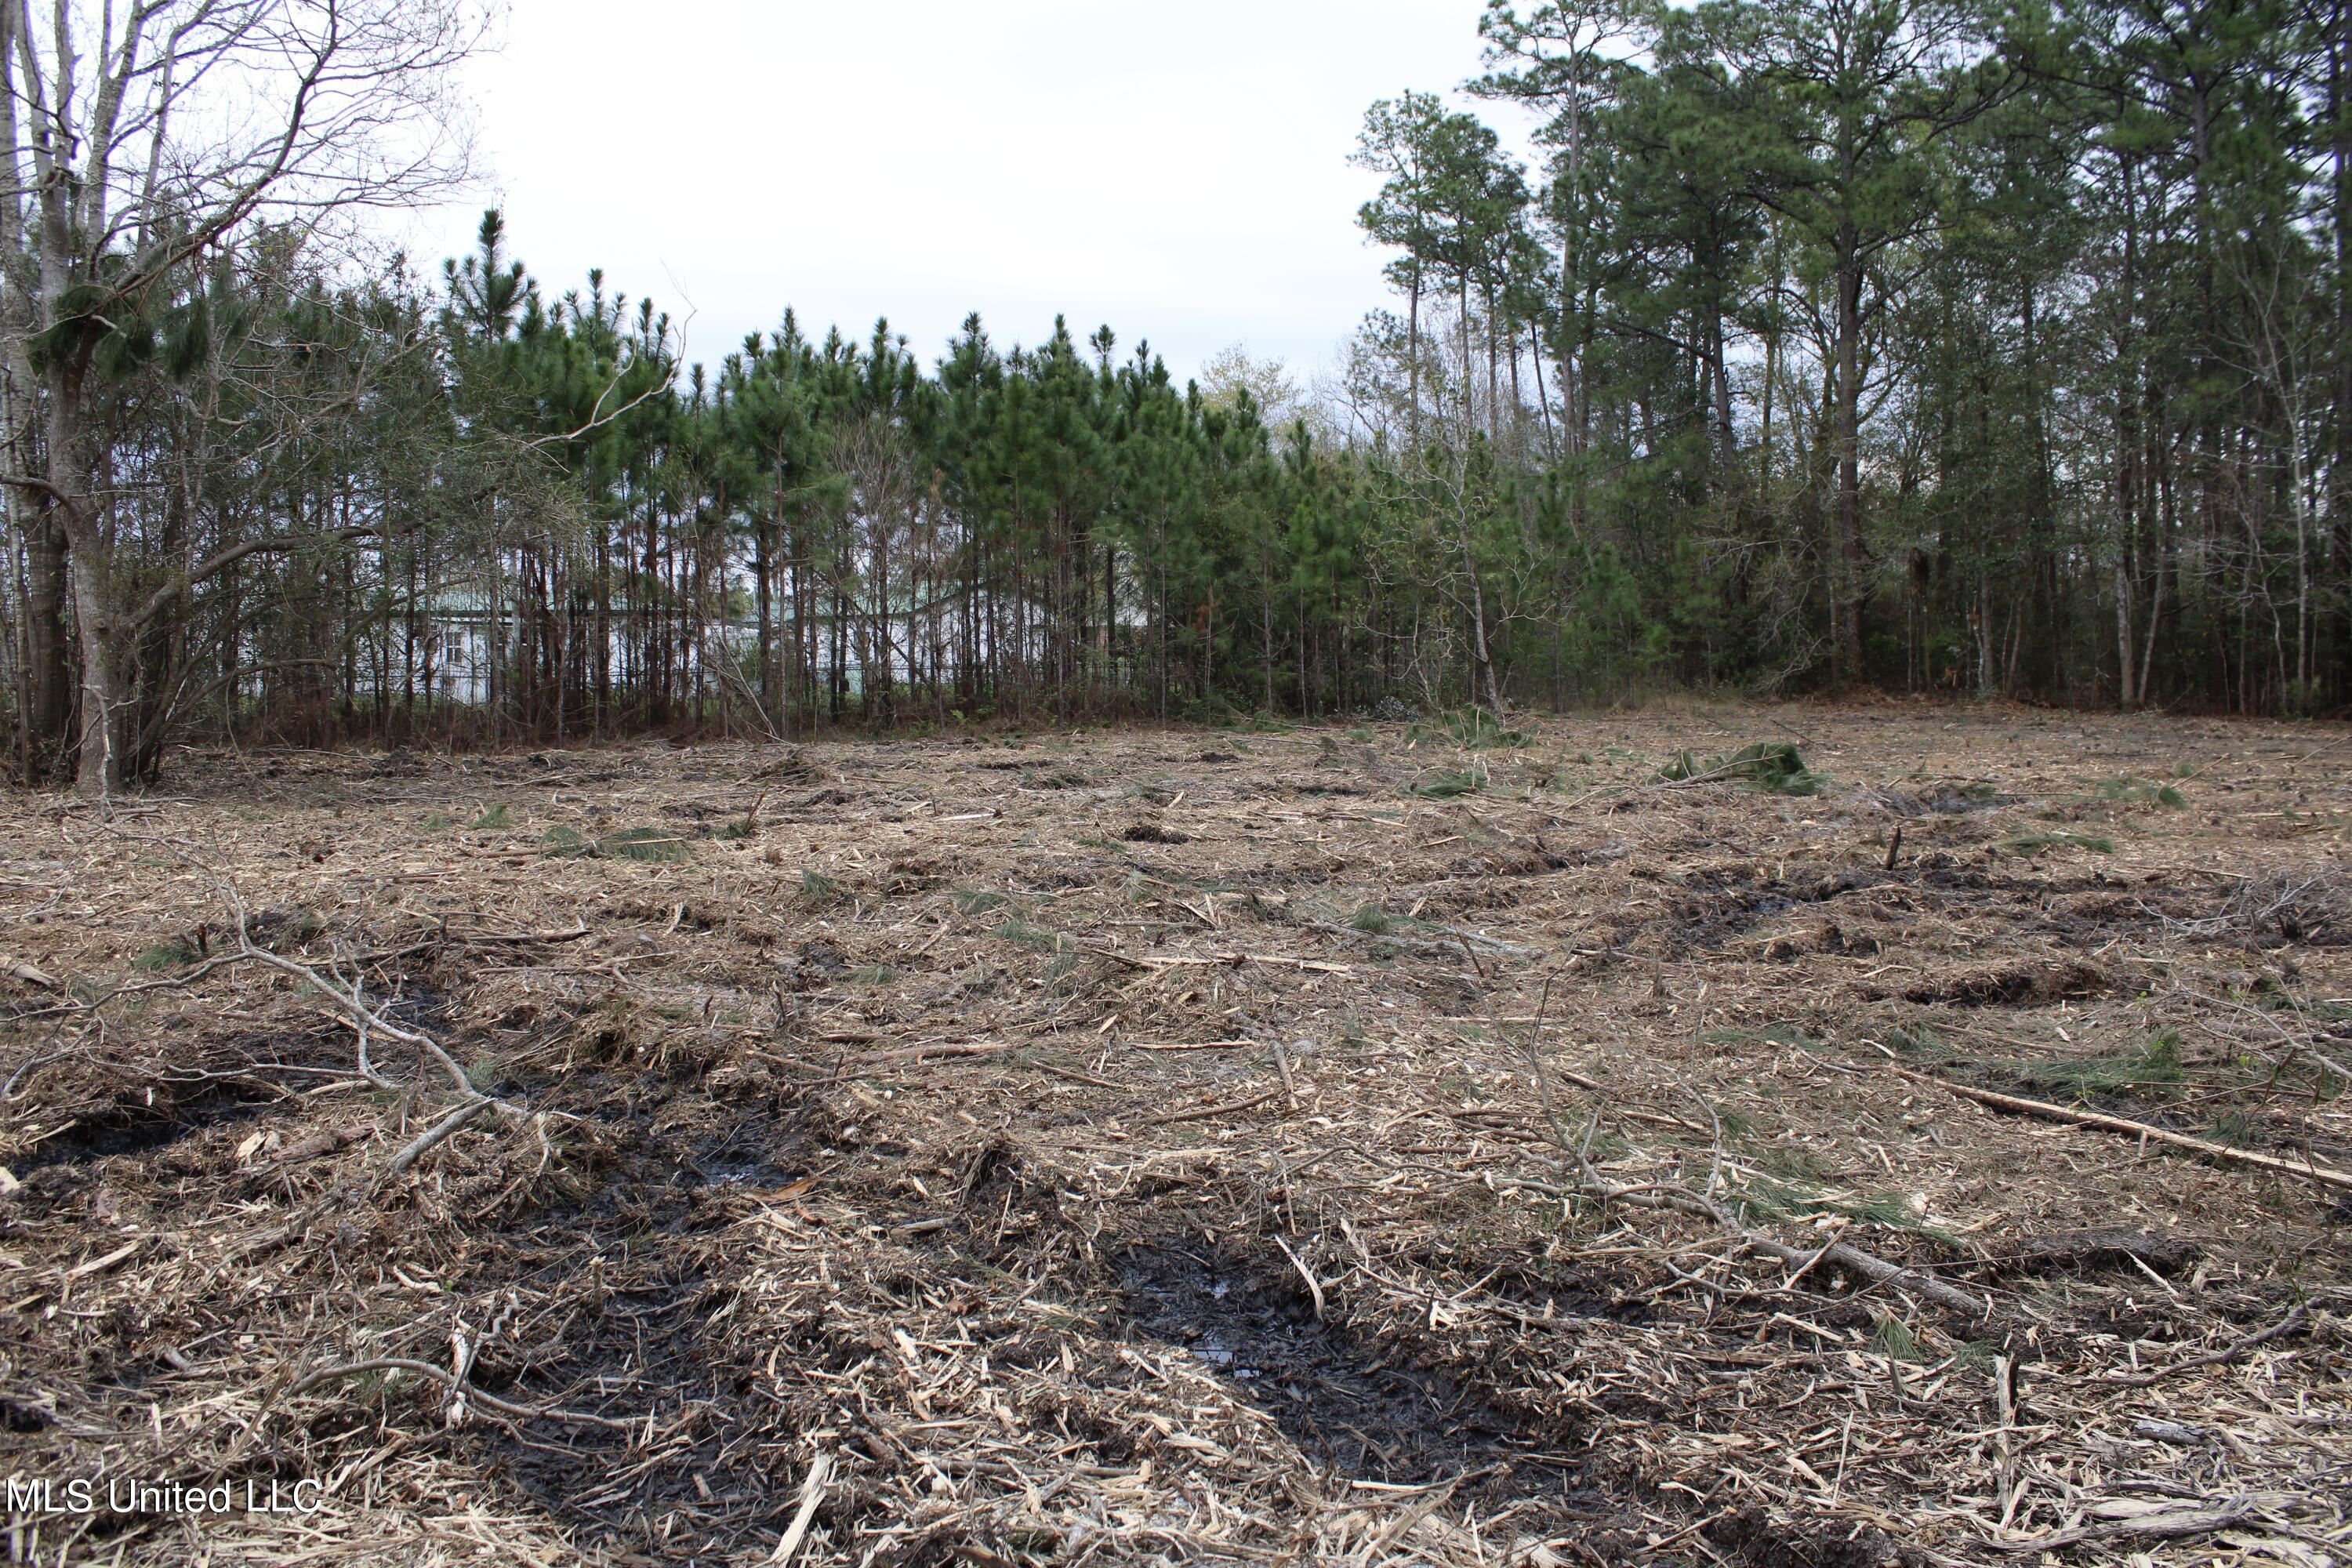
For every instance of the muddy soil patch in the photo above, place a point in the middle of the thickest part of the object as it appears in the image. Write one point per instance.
(2023, 984)
(625, 1287)
(133, 1129)
(1751, 1538)
(632, 1347)
(140, 1106)
(1722, 905)
(1359, 1409)
(1717, 906)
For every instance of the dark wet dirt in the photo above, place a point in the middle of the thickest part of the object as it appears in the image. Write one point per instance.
(635, 1345)
(135, 1129)
(1711, 908)
(1361, 1410)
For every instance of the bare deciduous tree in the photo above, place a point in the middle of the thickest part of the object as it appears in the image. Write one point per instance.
(142, 136)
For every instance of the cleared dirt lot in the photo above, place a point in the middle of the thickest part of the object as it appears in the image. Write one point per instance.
(1327, 1144)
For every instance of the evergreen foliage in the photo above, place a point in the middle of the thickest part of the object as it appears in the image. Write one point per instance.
(1917, 344)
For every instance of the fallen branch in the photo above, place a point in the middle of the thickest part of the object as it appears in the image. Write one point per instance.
(2230, 1353)
(1202, 1112)
(1224, 960)
(2173, 1523)
(365, 1019)
(1873, 1267)
(2325, 1176)
(1076, 1076)
(347, 999)
(30, 975)
(416, 1148)
(450, 1379)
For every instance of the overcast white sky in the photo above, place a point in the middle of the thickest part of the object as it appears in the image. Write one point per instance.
(1177, 168)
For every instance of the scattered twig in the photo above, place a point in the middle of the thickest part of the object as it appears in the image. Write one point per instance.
(812, 1493)
(1201, 1113)
(2311, 1171)
(1076, 1076)
(2234, 1352)
(415, 1150)
(1876, 1270)
(1314, 1286)
(2177, 1523)
(311, 1380)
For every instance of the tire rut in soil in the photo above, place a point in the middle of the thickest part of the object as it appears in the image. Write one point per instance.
(1358, 1410)
(635, 1263)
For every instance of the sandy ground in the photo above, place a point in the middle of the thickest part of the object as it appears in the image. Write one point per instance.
(1327, 1145)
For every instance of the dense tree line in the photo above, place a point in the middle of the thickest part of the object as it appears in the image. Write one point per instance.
(1904, 342)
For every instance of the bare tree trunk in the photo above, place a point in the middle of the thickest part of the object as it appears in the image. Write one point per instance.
(97, 763)
(1719, 373)
(1849, 445)
(1266, 621)
(1494, 385)
(1543, 399)
(98, 767)
(1412, 358)
(49, 691)
(2125, 689)
(46, 694)
(1492, 690)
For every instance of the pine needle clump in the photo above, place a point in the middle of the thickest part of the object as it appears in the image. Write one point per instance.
(1776, 767)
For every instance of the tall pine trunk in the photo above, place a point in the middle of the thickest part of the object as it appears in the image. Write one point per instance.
(1849, 597)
